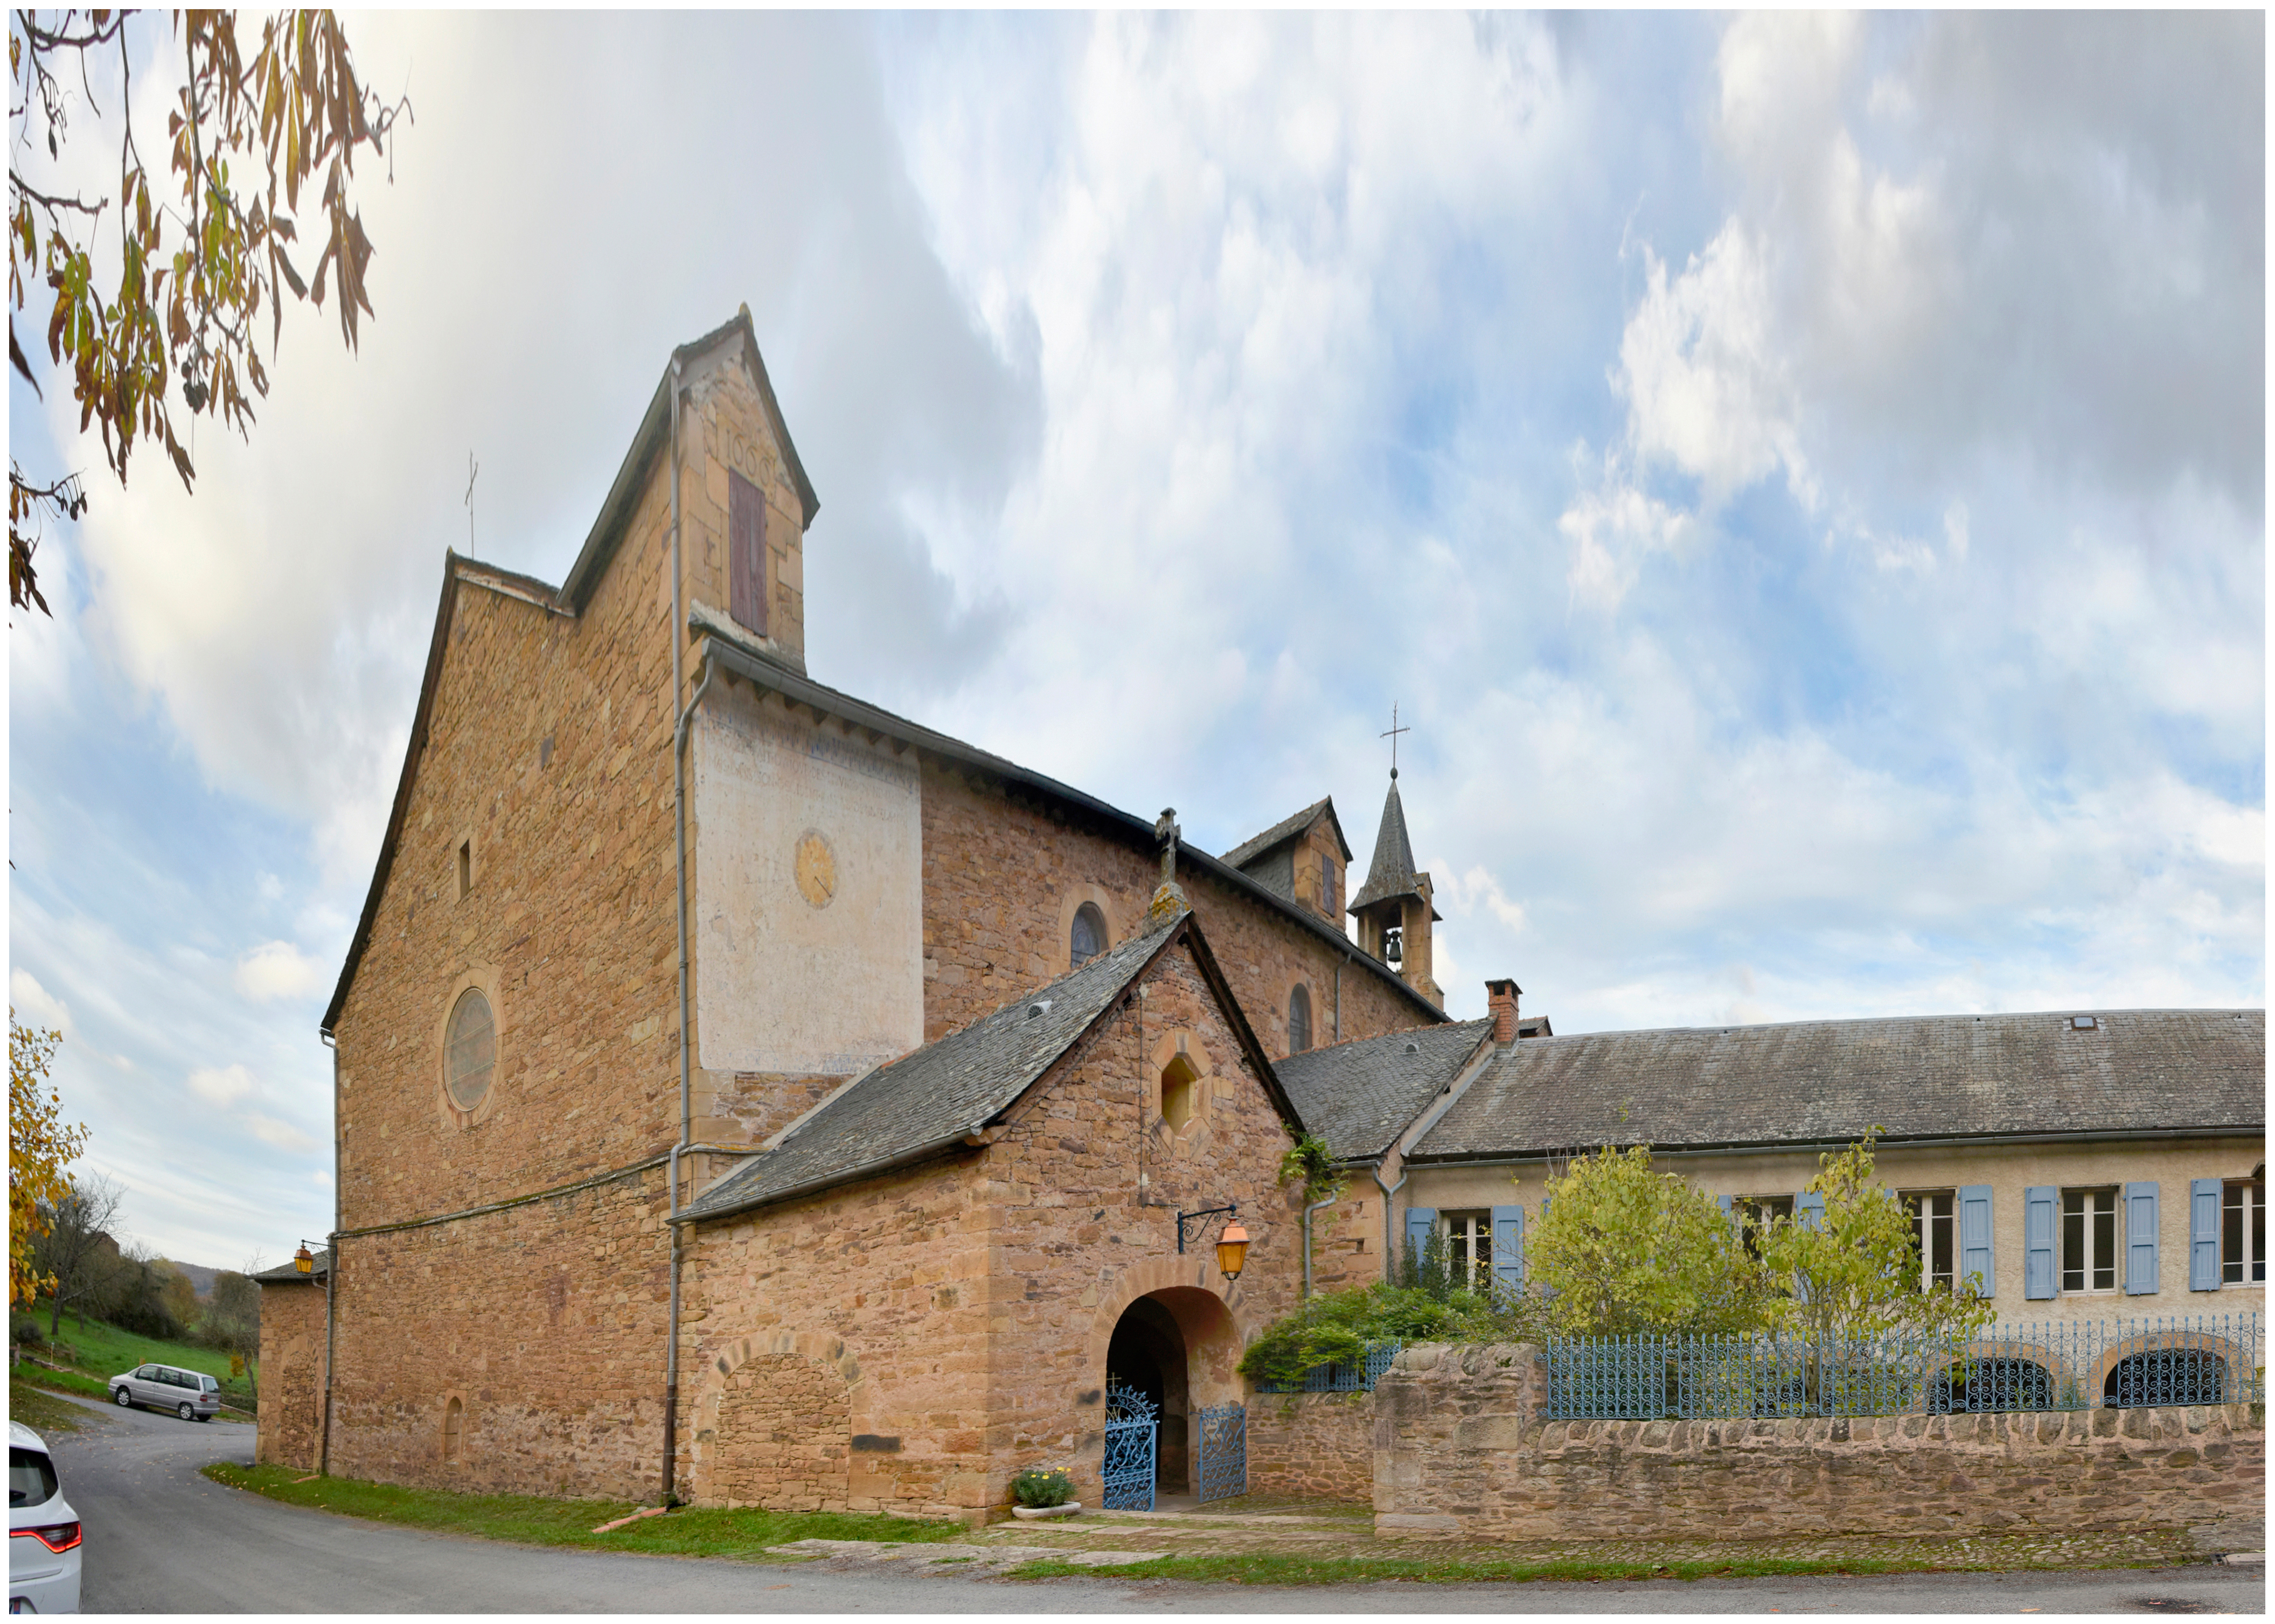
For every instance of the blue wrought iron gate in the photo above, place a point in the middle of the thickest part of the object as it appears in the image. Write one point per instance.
(1224, 1452)
(1132, 1428)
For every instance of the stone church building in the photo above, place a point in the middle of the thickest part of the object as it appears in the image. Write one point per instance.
(745, 1094)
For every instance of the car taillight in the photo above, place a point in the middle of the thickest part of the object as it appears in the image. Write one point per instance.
(57, 1537)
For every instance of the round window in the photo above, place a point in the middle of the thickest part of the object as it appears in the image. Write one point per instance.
(470, 1050)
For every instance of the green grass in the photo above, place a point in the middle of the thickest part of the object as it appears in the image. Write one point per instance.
(101, 1350)
(1464, 1568)
(60, 1381)
(535, 1520)
(43, 1413)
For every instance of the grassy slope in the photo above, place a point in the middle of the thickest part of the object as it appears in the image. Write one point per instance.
(533, 1520)
(104, 1350)
(44, 1415)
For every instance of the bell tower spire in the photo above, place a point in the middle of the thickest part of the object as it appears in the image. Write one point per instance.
(1392, 907)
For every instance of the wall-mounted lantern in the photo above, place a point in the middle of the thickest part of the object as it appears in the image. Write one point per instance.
(1231, 1245)
(304, 1260)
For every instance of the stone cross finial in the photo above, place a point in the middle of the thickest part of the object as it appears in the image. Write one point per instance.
(1169, 898)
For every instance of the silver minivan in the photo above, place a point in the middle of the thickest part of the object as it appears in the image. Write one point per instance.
(191, 1394)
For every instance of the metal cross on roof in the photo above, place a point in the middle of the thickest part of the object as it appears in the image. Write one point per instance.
(1393, 737)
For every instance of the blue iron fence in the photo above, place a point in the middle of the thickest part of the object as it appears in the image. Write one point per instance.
(1224, 1452)
(1133, 1427)
(1359, 1378)
(2083, 1365)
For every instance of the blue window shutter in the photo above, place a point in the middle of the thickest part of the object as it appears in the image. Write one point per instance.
(1976, 1254)
(2141, 1239)
(1808, 1207)
(1419, 1221)
(2041, 1205)
(1727, 1203)
(1508, 1247)
(2204, 1235)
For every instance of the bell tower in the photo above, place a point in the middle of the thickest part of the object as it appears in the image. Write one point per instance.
(1393, 909)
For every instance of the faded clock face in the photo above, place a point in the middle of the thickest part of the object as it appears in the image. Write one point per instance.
(816, 868)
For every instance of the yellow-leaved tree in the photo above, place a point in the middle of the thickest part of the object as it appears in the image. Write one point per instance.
(39, 1146)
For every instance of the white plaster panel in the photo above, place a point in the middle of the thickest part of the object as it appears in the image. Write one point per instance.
(782, 985)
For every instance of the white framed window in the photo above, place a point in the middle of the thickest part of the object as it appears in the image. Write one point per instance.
(1755, 1214)
(1934, 1214)
(2089, 1240)
(2243, 1233)
(1469, 1248)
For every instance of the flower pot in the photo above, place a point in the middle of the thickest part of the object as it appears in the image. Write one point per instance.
(1031, 1513)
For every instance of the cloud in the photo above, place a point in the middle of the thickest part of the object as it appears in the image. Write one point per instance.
(282, 1134)
(222, 1085)
(279, 969)
(35, 1006)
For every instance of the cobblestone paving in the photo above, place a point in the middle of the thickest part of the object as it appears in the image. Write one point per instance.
(1259, 1527)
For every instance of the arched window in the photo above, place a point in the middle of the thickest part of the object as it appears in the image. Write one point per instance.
(1177, 1080)
(2167, 1376)
(1087, 938)
(454, 1427)
(1299, 1019)
(470, 1050)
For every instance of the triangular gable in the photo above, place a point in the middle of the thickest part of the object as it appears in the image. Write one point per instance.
(951, 1091)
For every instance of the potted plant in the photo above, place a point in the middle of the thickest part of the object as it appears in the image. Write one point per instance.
(1043, 1491)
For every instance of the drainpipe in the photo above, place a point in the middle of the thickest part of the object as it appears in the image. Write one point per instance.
(1387, 1190)
(1308, 1211)
(679, 843)
(331, 1270)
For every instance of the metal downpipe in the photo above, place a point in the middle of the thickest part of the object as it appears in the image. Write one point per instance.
(679, 861)
(1389, 1273)
(331, 1271)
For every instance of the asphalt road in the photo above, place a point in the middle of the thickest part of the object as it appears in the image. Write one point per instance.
(161, 1538)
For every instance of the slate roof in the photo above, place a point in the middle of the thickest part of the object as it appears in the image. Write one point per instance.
(1359, 1096)
(1390, 871)
(285, 1274)
(1827, 1082)
(1286, 829)
(931, 1098)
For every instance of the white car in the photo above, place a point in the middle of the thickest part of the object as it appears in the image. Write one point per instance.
(43, 1532)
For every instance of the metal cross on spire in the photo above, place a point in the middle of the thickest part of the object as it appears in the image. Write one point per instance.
(1393, 737)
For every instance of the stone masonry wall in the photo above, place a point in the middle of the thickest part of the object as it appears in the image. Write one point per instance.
(1318, 1444)
(546, 1321)
(292, 1374)
(963, 1307)
(1078, 1239)
(1002, 874)
(1461, 1451)
(546, 752)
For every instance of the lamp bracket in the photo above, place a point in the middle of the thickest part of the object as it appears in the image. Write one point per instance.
(1230, 1210)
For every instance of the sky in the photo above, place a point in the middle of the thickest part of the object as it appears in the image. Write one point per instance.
(1800, 479)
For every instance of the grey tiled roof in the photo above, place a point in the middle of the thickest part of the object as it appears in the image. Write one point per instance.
(1361, 1095)
(1390, 871)
(285, 1274)
(929, 1098)
(1915, 1077)
(1287, 828)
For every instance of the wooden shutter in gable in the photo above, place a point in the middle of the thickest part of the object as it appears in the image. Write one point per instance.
(2040, 1204)
(746, 553)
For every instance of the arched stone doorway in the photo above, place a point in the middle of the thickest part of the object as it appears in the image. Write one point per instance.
(1177, 1346)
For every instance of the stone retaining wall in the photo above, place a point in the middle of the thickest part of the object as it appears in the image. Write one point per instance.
(1318, 1444)
(1461, 1451)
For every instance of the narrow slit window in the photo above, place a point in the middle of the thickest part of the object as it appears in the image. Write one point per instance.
(465, 868)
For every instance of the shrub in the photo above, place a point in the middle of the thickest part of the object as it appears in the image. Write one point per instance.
(25, 1331)
(1039, 1486)
(1334, 1327)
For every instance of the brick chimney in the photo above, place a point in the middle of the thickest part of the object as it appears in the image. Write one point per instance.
(1501, 999)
